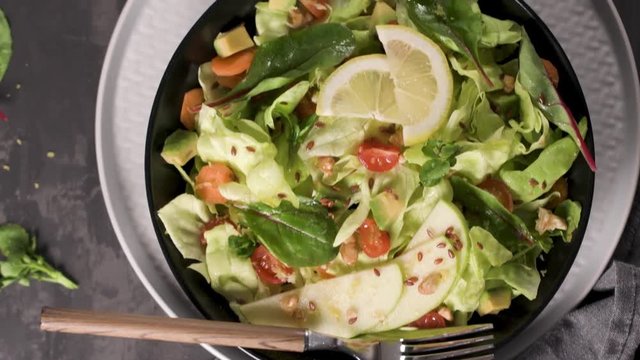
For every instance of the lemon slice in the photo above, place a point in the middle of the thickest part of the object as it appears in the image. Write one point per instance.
(422, 79)
(361, 88)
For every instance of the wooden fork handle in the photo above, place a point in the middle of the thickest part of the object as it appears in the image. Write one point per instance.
(174, 330)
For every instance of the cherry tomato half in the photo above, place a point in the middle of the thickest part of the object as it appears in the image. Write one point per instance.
(499, 190)
(430, 320)
(373, 241)
(378, 157)
(269, 269)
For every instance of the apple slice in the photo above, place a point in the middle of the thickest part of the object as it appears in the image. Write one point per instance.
(430, 271)
(445, 220)
(345, 306)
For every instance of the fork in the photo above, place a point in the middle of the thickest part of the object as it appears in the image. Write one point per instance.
(464, 342)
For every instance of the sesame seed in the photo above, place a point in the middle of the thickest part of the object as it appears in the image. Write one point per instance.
(51, 154)
(19, 141)
(411, 281)
(312, 306)
(533, 182)
(6, 167)
(250, 149)
(451, 254)
(36, 186)
(419, 255)
(282, 195)
(438, 261)
(441, 245)
(480, 246)
(376, 271)
(234, 151)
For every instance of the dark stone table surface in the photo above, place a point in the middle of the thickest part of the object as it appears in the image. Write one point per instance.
(49, 95)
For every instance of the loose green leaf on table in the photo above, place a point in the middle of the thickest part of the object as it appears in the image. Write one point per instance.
(533, 78)
(456, 24)
(5, 44)
(298, 237)
(297, 54)
(21, 264)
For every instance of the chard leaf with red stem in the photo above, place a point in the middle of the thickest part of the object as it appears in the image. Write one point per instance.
(455, 24)
(534, 79)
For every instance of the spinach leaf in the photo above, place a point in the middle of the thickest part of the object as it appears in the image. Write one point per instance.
(486, 211)
(22, 263)
(242, 246)
(456, 24)
(294, 55)
(5, 44)
(534, 79)
(298, 237)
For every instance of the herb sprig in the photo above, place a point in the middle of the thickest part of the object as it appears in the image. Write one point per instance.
(21, 263)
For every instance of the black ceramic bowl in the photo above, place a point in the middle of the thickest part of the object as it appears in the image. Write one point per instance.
(164, 183)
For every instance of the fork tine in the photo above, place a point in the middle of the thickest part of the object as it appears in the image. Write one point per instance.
(464, 332)
(458, 354)
(416, 349)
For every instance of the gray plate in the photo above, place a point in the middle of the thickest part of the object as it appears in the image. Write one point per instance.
(590, 32)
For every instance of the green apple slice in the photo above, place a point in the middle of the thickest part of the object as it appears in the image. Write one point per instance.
(430, 271)
(345, 306)
(445, 220)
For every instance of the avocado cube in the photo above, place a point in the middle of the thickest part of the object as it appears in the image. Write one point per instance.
(495, 300)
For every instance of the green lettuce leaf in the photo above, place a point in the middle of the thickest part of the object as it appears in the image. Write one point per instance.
(209, 83)
(339, 136)
(571, 212)
(230, 275)
(552, 163)
(461, 115)
(479, 159)
(183, 218)
(488, 247)
(343, 10)
(488, 80)
(270, 23)
(286, 103)
(499, 32)
(523, 279)
(217, 143)
(357, 217)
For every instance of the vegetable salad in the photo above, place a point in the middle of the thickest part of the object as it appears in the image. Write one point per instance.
(359, 166)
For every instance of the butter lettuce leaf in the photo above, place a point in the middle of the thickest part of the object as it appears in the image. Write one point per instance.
(230, 275)
(183, 218)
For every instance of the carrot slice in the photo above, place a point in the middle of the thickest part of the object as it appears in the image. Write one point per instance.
(209, 180)
(190, 103)
(233, 65)
(230, 81)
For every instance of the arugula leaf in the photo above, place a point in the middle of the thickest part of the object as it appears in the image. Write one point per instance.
(456, 24)
(22, 263)
(297, 54)
(242, 245)
(443, 157)
(533, 78)
(5, 44)
(298, 237)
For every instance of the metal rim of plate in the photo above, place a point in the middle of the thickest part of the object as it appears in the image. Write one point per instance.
(590, 32)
